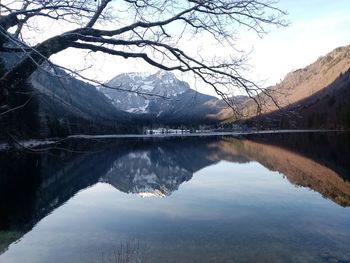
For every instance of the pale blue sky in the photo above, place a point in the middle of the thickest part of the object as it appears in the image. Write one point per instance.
(316, 28)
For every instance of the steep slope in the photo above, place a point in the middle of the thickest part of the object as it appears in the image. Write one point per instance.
(53, 103)
(159, 84)
(227, 113)
(160, 96)
(303, 83)
(69, 104)
(328, 108)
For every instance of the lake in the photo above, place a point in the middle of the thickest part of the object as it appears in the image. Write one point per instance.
(254, 198)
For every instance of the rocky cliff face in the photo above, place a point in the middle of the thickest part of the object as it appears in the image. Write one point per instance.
(160, 96)
(142, 86)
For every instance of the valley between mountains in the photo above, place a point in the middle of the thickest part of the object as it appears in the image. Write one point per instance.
(314, 97)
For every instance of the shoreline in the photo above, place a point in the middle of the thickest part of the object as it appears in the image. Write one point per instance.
(203, 134)
(32, 143)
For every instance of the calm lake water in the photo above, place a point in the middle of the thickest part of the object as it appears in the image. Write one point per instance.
(262, 198)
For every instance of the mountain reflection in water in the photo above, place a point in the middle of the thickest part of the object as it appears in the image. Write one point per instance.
(33, 185)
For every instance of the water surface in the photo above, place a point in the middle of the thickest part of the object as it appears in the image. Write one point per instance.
(262, 198)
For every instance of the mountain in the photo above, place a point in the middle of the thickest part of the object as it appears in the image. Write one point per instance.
(226, 112)
(303, 83)
(57, 104)
(76, 105)
(160, 84)
(322, 85)
(162, 97)
(328, 108)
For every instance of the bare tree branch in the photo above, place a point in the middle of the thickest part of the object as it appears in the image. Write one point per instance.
(136, 34)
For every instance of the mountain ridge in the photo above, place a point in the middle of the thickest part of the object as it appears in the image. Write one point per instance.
(161, 96)
(320, 82)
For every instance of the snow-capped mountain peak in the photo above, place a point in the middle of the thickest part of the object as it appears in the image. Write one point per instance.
(166, 76)
(142, 87)
(147, 92)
